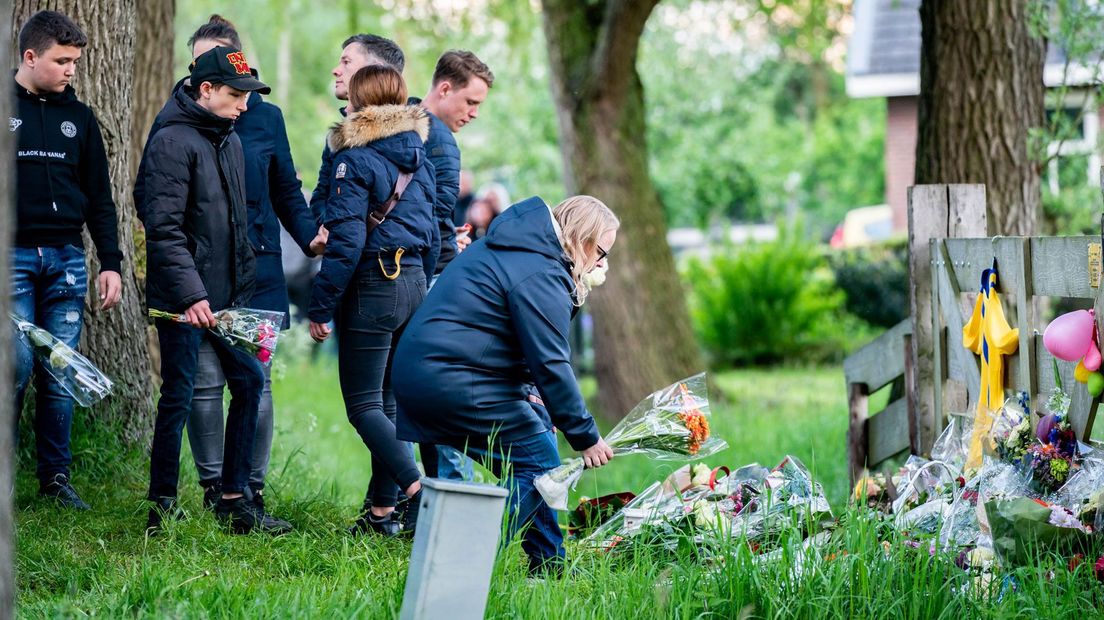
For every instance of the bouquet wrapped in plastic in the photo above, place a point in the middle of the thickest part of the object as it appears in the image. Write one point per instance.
(1022, 527)
(672, 423)
(73, 371)
(1011, 434)
(246, 329)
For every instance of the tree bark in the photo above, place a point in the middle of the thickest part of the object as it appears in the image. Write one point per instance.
(153, 81)
(114, 340)
(7, 450)
(981, 91)
(643, 337)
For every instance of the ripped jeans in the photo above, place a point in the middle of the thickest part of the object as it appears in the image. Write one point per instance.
(48, 287)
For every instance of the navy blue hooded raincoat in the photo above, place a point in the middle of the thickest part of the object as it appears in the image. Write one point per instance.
(495, 324)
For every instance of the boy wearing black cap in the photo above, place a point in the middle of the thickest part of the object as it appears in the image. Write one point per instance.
(200, 261)
(62, 185)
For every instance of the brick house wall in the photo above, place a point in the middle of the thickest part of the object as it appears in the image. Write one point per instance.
(900, 155)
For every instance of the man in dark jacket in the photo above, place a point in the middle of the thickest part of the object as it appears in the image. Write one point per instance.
(460, 84)
(200, 261)
(62, 184)
(274, 195)
(359, 50)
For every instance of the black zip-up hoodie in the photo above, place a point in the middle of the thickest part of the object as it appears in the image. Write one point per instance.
(62, 176)
(197, 244)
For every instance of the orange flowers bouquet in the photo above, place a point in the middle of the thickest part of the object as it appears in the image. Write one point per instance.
(672, 423)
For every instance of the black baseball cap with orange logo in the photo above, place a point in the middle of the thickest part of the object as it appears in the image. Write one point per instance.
(226, 65)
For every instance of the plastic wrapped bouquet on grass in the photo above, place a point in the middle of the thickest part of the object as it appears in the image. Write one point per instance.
(670, 424)
(73, 371)
(246, 329)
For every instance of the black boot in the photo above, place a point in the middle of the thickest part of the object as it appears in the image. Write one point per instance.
(164, 508)
(369, 523)
(243, 516)
(212, 491)
(63, 493)
(410, 517)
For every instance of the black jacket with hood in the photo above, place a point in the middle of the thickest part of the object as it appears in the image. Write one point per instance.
(62, 178)
(197, 244)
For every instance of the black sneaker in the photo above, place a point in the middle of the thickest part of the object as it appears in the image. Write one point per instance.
(369, 523)
(243, 516)
(258, 500)
(211, 494)
(410, 517)
(164, 508)
(63, 493)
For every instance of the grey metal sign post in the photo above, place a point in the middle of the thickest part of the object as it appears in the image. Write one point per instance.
(459, 526)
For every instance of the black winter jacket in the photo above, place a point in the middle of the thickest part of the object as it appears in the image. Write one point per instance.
(195, 215)
(495, 323)
(62, 175)
(444, 154)
(273, 192)
(370, 149)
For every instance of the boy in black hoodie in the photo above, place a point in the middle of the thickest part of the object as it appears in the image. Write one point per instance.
(200, 261)
(62, 184)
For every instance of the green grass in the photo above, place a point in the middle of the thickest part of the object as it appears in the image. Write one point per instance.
(99, 563)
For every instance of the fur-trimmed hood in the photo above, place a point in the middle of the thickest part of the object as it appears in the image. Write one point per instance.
(376, 123)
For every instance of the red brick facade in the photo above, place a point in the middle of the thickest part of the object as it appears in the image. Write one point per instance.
(900, 156)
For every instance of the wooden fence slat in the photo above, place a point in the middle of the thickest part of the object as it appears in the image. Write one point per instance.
(928, 213)
(887, 432)
(969, 257)
(881, 361)
(951, 314)
(1060, 267)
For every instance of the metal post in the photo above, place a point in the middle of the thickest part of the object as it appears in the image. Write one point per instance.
(459, 525)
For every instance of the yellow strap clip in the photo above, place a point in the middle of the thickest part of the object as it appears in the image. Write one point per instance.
(398, 265)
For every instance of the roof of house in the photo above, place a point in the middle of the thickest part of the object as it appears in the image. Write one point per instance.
(883, 56)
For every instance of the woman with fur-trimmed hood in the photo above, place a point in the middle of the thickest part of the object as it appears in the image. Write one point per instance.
(372, 279)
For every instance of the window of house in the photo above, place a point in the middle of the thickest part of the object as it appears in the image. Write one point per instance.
(1073, 153)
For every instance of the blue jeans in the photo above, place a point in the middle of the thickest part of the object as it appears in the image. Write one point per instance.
(517, 464)
(48, 289)
(179, 365)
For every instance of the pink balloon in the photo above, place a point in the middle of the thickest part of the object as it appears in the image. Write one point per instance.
(1068, 337)
(1092, 358)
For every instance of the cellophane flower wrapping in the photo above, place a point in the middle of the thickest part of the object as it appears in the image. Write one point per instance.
(953, 444)
(1013, 431)
(74, 372)
(754, 505)
(921, 481)
(670, 424)
(253, 331)
(1023, 526)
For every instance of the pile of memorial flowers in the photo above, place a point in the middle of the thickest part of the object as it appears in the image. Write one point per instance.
(712, 508)
(1037, 491)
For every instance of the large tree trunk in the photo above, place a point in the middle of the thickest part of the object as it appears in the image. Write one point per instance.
(7, 460)
(981, 91)
(115, 340)
(643, 337)
(153, 81)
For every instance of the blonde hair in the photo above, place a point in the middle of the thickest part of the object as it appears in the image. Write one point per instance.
(581, 221)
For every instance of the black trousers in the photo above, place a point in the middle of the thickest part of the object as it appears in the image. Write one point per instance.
(374, 311)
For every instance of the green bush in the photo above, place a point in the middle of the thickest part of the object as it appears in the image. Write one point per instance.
(874, 282)
(768, 302)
